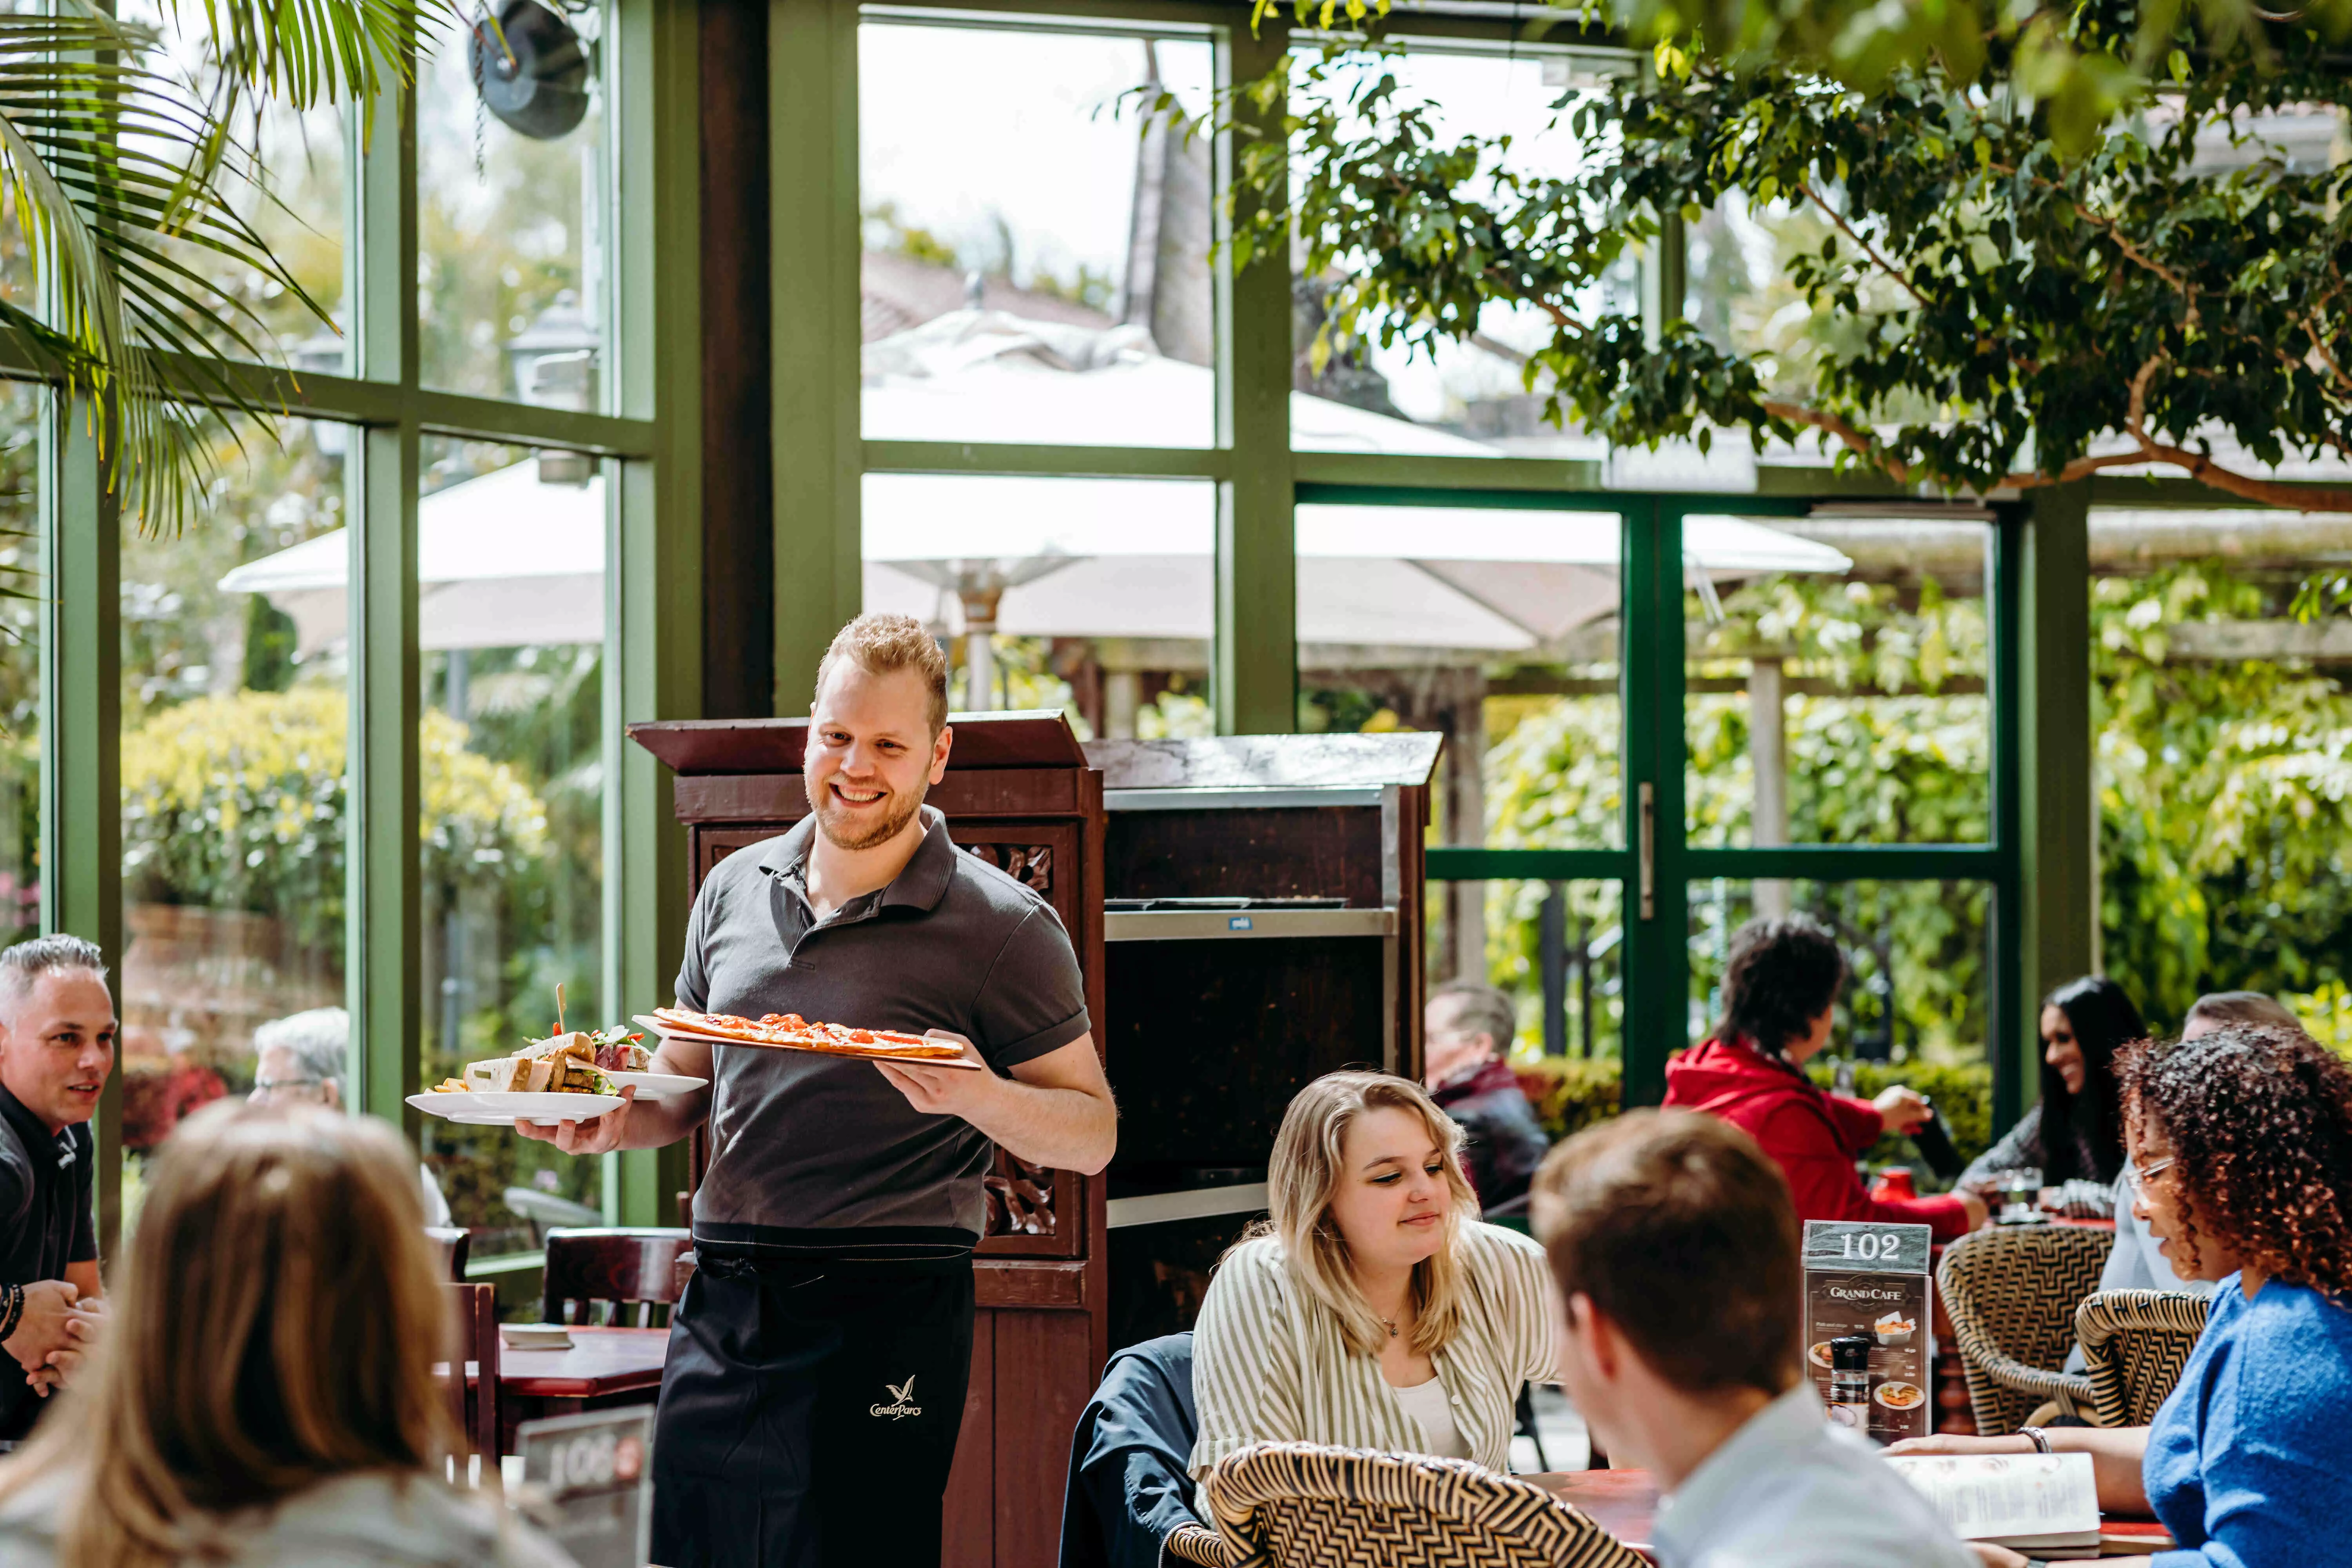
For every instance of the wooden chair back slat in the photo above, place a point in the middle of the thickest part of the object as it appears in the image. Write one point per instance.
(475, 1310)
(631, 1271)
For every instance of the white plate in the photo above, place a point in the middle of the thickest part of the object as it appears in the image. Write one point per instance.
(672, 1032)
(483, 1109)
(657, 1084)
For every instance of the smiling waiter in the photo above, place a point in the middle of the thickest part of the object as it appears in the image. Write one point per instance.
(817, 1364)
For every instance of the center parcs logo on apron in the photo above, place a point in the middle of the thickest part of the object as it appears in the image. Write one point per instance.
(900, 1395)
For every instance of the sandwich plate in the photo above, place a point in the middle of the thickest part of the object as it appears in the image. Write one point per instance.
(657, 1084)
(672, 1032)
(483, 1109)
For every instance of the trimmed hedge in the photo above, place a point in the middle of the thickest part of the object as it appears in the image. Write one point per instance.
(1571, 1093)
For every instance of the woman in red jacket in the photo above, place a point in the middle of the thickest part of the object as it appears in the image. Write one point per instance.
(1780, 988)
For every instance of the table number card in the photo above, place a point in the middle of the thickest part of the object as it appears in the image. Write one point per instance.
(1870, 1279)
(588, 1483)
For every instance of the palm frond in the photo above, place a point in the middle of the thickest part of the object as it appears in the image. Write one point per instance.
(123, 175)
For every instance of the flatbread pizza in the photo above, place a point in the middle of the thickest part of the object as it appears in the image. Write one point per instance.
(795, 1033)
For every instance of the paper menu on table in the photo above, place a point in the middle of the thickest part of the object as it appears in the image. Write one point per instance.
(2018, 1500)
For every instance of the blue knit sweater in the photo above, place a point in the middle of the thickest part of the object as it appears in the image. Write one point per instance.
(2250, 1462)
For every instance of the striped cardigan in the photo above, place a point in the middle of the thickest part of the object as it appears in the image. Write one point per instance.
(1271, 1365)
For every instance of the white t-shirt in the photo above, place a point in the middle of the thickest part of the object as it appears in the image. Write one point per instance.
(1433, 1413)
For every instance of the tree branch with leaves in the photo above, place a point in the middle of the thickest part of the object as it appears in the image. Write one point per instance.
(2001, 314)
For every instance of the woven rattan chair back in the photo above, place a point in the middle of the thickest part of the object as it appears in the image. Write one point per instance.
(2012, 1291)
(1294, 1505)
(2136, 1342)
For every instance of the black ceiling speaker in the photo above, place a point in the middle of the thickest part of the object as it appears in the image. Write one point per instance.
(530, 69)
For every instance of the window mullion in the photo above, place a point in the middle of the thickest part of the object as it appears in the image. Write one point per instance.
(384, 939)
(1254, 661)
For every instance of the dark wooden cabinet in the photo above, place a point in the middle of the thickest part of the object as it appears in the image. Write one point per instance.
(1019, 793)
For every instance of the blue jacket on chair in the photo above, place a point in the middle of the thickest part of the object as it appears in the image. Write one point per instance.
(1127, 1489)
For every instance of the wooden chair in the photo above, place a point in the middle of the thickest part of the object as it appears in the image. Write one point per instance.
(2012, 1291)
(2137, 1343)
(618, 1266)
(475, 1310)
(454, 1244)
(1306, 1506)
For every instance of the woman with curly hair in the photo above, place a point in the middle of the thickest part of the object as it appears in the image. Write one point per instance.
(2240, 1165)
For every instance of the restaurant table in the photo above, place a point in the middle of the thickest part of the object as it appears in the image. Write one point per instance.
(1625, 1504)
(605, 1367)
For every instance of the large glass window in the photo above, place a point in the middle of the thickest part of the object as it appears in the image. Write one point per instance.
(236, 705)
(2223, 752)
(22, 580)
(1035, 262)
(1835, 680)
(510, 149)
(1095, 596)
(1356, 393)
(1918, 969)
(511, 561)
(1498, 627)
(1557, 950)
(284, 174)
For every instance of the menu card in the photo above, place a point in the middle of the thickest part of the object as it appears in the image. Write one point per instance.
(588, 1483)
(2024, 1501)
(1871, 1280)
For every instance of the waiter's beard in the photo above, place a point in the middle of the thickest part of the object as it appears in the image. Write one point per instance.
(838, 826)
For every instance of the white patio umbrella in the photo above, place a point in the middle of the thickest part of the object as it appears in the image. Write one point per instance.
(502, 561)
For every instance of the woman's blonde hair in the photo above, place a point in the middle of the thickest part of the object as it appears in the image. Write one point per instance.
(1306, 1169)
(275, 1325)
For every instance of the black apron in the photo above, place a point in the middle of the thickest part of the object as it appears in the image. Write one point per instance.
(809, 1412)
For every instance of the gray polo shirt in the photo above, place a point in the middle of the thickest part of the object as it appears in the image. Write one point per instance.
(803, 1147)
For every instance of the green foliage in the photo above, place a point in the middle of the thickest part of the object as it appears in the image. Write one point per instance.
(239, 802)
(123, 167)
(1570, 1093)
(1962, 1093)
(2225, 802)
(2001, 309)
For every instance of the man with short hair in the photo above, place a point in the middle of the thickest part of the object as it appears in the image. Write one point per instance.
(57, 1046)
(818, 1363)
(2219, 1010)
(1674, 1242)
(1467, 1032)
(301, 1059)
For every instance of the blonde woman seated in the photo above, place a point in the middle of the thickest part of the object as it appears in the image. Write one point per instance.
(1379, 1313)
(265, 1395)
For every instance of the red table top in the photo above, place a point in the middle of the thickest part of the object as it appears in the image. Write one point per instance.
(1625, 1504)
(601, 1362)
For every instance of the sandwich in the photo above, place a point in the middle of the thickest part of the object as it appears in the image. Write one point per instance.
(572, 1062)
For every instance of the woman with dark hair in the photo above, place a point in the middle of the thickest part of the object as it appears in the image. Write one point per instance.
(1780, 984)
(2240, 1165)
(2073, 1135)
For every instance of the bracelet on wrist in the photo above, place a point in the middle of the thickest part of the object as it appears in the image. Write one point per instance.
(2040, 1439)
(12, 1309)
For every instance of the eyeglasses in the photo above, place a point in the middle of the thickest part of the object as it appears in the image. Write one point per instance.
(2140, 1176)
(265, 1087)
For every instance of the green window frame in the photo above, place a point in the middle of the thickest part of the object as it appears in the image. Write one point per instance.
(647, 439)
(2039, 850)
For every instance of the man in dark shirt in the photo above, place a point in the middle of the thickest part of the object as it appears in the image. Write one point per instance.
(57, 1046)
(1467, 1032)
(818, 1363)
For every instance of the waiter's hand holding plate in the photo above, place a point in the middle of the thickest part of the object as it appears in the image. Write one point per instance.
(597, 1135)
(944, 1091)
